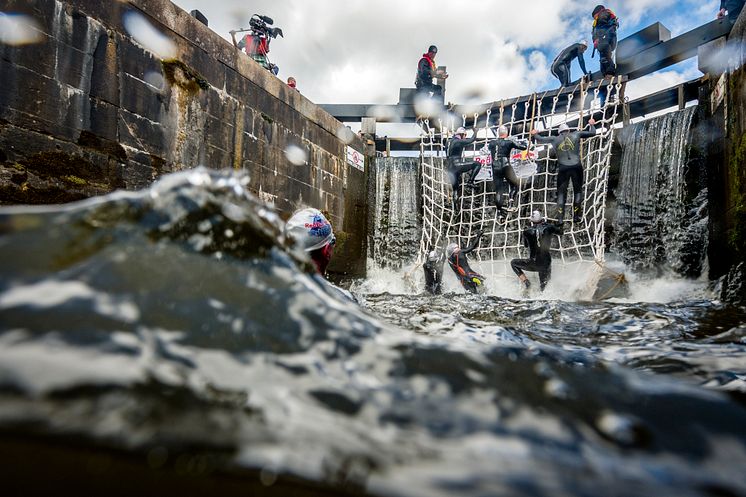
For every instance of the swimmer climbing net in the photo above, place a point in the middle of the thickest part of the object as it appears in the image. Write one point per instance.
(581, 242)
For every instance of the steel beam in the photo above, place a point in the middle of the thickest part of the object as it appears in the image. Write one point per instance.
(640, 54)
(673, 51)
(640, 107)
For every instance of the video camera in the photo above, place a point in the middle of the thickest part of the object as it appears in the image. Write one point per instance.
(260, 25)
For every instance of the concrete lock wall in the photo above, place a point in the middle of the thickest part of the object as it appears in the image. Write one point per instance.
(723, 114)
(88, 110)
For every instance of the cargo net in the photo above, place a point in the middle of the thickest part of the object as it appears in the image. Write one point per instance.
(536, 170)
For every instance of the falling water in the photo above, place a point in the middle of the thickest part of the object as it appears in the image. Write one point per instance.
(396, 227)
(661, 216)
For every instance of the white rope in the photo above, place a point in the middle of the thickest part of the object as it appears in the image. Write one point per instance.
(581, 242)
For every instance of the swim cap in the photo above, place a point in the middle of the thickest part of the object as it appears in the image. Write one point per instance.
(460, 131)
(310, 229)
(584, 43)
(433, 256)
(502, 130)
(451, 249)
(563, 128)
(536, 217)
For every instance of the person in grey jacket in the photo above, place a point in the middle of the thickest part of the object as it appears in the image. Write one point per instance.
(567, 148)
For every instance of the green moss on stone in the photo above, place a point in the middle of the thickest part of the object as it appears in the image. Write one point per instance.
(179, 74)
(75, 180)
(737, 194)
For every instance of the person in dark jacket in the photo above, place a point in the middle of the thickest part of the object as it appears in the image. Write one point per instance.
(538, 239)
(731, 8)
(456, 166)
(471, 281)
(605, 25)
(426, 71)
(501, 149)
(561, 64)
(567, 148)
(433, 268)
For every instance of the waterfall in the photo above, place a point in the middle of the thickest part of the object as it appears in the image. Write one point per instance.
(661, 212)
(396, 224)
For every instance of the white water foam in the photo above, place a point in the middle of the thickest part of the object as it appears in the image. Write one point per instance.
(571, 283)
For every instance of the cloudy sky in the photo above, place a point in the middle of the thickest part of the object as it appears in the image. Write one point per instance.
(362, 51)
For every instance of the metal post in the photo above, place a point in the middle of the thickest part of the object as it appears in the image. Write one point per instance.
(368, 126)
(682, 101)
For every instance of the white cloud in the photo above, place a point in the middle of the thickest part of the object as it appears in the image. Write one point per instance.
(356, 51)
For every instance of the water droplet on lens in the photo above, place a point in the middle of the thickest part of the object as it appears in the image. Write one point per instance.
(557, 388)
(148, 36)
(296, 155)
(618, 428)
(426, 107)
(19, 29)
(345, 135)
(268, 477)
(155, 79)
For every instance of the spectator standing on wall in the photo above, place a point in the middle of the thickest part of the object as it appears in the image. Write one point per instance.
(605, 25)
(426, 71)
(292, 84)
(731, 8)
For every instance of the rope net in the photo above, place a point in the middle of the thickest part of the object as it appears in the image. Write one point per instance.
(581, 242)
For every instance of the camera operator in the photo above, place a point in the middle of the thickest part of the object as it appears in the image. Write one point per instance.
(256, 42)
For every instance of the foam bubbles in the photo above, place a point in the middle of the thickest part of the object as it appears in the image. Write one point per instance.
(148, 36)
(19, 29)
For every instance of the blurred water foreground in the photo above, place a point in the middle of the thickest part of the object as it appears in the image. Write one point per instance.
(169, 341)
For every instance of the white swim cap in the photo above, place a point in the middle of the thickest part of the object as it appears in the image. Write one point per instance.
(460, 131)
(584, 43)
(451, 249)
(536, 217)
(310, 229)
(502, 130)
(564, 128)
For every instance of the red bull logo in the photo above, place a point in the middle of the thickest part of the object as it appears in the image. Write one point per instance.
(523, 155)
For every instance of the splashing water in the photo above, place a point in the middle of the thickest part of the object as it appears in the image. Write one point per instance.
(177, 323)
(661, 215)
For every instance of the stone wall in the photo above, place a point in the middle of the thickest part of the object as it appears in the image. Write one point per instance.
(724, 142)
(89, 109)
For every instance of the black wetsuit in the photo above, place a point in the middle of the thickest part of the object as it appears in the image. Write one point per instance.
(561, 64)
(734, 8)
(456, 166)
(605, 25)
(538, 239)
(465, 274)
(567, 148)
(500, 149)
(434, 273)
(424, 79)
